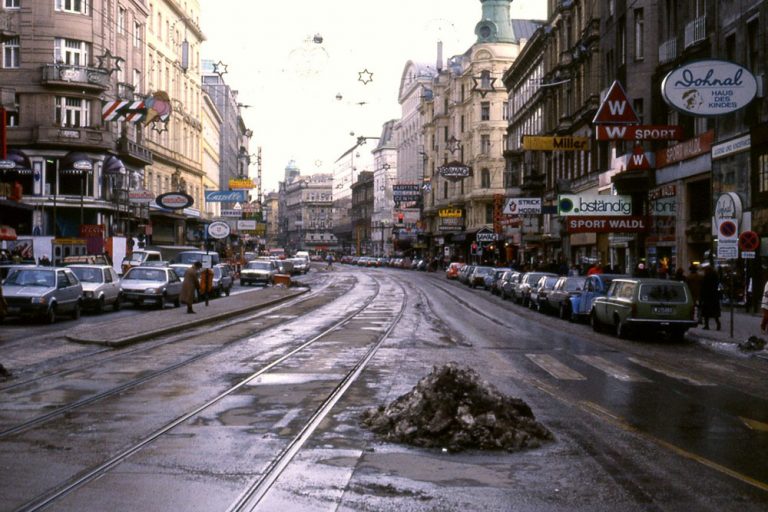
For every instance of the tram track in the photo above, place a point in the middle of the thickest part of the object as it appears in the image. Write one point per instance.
(349, 324)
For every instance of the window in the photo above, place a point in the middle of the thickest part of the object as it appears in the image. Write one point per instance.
(485, 178)
(762, 173)
(12, 4)
(485, 144)
(622, 35)
(137, 34)
(75, 6)
(11, 52)
(753, 47)
(136, 81)
(489, 213)
(73, 112)
(445, 190)
(505, 111)
(485, 111)
(121, 20)
(71, 52)
(639, 35)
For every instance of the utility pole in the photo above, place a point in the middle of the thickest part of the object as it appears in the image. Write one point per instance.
(258, 174)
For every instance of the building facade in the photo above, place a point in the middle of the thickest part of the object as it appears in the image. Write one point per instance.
(308, 214)
(385, 162)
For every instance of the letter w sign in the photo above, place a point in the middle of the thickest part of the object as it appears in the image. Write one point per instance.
(615, 108)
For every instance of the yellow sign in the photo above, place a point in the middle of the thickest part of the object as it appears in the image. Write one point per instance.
(451, 213)
(531, 143)
(241, 183)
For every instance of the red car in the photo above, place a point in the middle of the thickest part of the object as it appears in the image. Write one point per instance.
(452, 272)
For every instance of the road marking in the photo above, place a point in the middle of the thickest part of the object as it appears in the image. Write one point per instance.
(754, 424)
(554, 367)
(670, 373)
(612, 369)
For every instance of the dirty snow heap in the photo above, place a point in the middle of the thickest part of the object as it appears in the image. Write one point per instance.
(454, 408)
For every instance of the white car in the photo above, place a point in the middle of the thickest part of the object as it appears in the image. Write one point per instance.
(258, 272)
(101, 286)
(151, 285)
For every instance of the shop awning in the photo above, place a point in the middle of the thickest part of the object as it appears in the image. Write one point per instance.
(15, 161)
(113, 165)
(75, 162)
(7, 233)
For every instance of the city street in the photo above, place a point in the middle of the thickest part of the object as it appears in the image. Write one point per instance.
(262, 410)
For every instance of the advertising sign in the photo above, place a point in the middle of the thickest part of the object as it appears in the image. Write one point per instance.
(451, 224)
(406, 193)
(566, 143)
(691, 148)
(453, 213)
(585, 205)
(640, 132)
(174, 200)
(242, 183)
(454, 170)
(732, 146)
(522, 206)
(631, 224)
(246, 225)
(709, 88)
(486, 236)
(615, 108)
(140, 196)
(226, 196)
(231, 213)
(218, 229)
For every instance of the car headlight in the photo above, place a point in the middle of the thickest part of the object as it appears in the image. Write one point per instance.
(88, 294)
(151, 291)
(39, 300)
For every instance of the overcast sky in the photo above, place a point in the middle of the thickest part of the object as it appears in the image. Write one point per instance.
(291, 82)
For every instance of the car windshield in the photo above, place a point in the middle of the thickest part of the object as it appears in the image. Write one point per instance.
(30, 277)
(662, 293)
(180, 271)
(89, 275)
(483, 270)
(137, 257)
(573, 285)
(259, 265)
(145, 274)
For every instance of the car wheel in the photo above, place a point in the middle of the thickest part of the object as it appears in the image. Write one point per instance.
(565, 313)
(100, 306)
(50, 316)
(76, 312)
(226, 292)
(161, 302)
(118, 303)
(596, 326)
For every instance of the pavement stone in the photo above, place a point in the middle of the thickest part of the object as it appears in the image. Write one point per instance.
(131, 329)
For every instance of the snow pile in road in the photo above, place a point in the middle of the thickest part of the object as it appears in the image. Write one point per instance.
(454, 408)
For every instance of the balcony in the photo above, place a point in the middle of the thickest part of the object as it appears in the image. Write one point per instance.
(668, 51)
(75, 76)
(133, 152)
(73, 137)
(696, 31)
(9, 27)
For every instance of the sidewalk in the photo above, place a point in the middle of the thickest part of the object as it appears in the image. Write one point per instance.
(131, 329)
(744, 326)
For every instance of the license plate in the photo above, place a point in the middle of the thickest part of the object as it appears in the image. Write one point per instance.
(663, 310)
(12, 309)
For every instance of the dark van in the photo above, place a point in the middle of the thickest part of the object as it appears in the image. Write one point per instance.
(189, 257)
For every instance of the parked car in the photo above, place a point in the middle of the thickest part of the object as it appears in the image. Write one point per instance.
(644, 303)
(509, 283)
(477, 278)
(527, 282)
(223, 279)
(139, 258)
(538, 295)
(258, 272)
(300, 265)
(452, 272)
(559, 299)
(465, 272)
(101, 286)
(44, 292)
(151, 285)
(595, 286)
(490, 279)
(285, 267)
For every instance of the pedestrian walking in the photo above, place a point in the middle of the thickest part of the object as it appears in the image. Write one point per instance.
(694, 285)
(206, 284)
(190, 286)
(764, 307)
(710, 297)
(329, 259)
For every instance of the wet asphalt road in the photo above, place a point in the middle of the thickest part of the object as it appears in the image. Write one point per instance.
(639, 425)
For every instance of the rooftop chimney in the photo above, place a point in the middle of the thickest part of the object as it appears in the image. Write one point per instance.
(439, 56)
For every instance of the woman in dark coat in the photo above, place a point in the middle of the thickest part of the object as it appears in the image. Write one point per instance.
(710, 297)
(190, 286)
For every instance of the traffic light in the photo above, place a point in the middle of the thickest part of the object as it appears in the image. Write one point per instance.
(400, 218)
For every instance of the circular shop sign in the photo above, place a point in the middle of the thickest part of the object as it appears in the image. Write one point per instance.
(709, 88)
(218, 229)
(174, 200)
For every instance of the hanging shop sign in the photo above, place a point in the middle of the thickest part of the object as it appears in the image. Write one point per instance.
(225, 196)
(246, 225)
(593, 204)
(616, 108)
(450, 213)
(522, 206)
(140, 196)
(486, 235)
(406, 193)
(728, 207)
(691, 148)
(640, 132)
(451, 224)
(709, 88)
(603, 224)
(242, 183)
(174, 200)
(566, 143)
(732, 146)
(454, 169)
(218, 229)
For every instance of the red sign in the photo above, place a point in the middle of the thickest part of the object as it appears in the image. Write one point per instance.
(91, 230)
(627, 224)
(639, 132)
(749, 241)
(637, 160)
(685, 150)
(615, 108)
